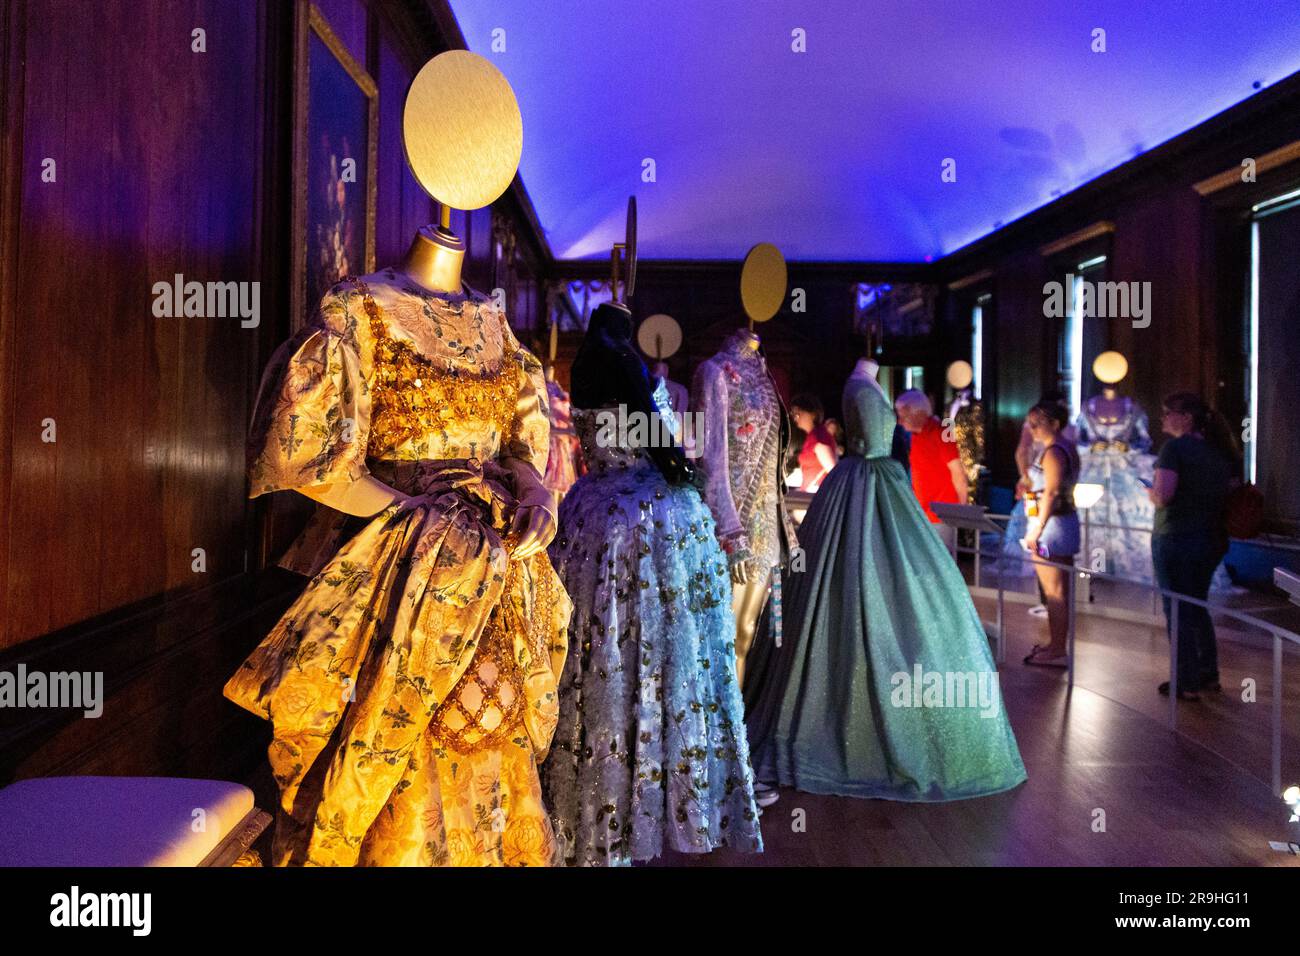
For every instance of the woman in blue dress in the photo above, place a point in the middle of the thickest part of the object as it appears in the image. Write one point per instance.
(650, 751)
(882, 684)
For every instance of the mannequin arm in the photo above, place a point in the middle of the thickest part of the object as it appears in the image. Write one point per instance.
(364, 498)
(709, 392)
(535, 521)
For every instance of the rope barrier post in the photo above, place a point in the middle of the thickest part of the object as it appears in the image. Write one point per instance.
(1087, 553)
(1071, 611)
(1002, 633)
(1277, 713)
(1173, 660)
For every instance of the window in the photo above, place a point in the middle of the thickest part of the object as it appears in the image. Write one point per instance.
(1072, 360)
(1273, 388)
(977, 344)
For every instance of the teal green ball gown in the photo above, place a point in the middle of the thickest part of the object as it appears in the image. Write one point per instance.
(883, 684)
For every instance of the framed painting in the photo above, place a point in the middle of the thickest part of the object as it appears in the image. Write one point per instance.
(335, 156)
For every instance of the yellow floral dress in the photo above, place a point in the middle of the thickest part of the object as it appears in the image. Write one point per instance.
(412, 686)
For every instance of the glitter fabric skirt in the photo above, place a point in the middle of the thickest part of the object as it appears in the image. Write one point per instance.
(883, 685)
(649, 751)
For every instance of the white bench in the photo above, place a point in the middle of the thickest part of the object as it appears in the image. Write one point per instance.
(126, 821)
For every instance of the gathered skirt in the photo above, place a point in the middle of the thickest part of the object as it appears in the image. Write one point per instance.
(884, 684)
(411, 688)
(650, 750)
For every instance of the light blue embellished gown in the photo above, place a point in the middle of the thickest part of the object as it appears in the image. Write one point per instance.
(650, 752)
(1114, 452)
(883, 685)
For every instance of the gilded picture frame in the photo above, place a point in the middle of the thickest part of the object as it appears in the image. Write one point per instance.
(335, 163)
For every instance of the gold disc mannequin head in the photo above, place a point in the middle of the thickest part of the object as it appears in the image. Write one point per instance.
(659, 336)
(763, 282)
(960, 375)
(1110, 368)
(462, 130)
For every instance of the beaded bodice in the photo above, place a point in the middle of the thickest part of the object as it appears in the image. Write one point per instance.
(612, 440)
(388, 372)
(461, 404)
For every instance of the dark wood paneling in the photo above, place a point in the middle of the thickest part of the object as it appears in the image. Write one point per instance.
(163, 664)
(403, 207)
(813, 350)
(158, 151)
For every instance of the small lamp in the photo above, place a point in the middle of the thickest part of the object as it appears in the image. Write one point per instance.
(1087, 495)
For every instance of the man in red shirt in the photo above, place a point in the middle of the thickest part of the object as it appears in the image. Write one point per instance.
(937, 474)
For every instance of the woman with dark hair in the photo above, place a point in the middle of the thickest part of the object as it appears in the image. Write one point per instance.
(1192, 475)
(1026, 453)
(1053, 524)
(819, 453)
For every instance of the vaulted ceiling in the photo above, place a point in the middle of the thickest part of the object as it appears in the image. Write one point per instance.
(837, 153)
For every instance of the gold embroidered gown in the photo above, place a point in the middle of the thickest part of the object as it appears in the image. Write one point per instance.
(412, 686)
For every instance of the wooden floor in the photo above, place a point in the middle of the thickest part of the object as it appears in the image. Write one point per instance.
(1197, 798)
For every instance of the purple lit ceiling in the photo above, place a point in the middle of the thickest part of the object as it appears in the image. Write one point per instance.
(837, 153)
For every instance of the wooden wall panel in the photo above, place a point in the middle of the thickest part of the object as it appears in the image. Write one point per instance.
(1021, 355)
(1158, 242)
(157, 150)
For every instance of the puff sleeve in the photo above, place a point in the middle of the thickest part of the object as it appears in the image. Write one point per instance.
(526, 446)
(311, 421)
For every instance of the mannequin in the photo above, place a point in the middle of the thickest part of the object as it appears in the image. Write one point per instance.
(1114, 452)
(881, 598)
(746, 430)
(637, 553)
(868, 369)
(865, 371)
(607, 371)
(427, 651)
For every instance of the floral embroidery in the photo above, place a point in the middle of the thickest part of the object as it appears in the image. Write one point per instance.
(382, 635)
